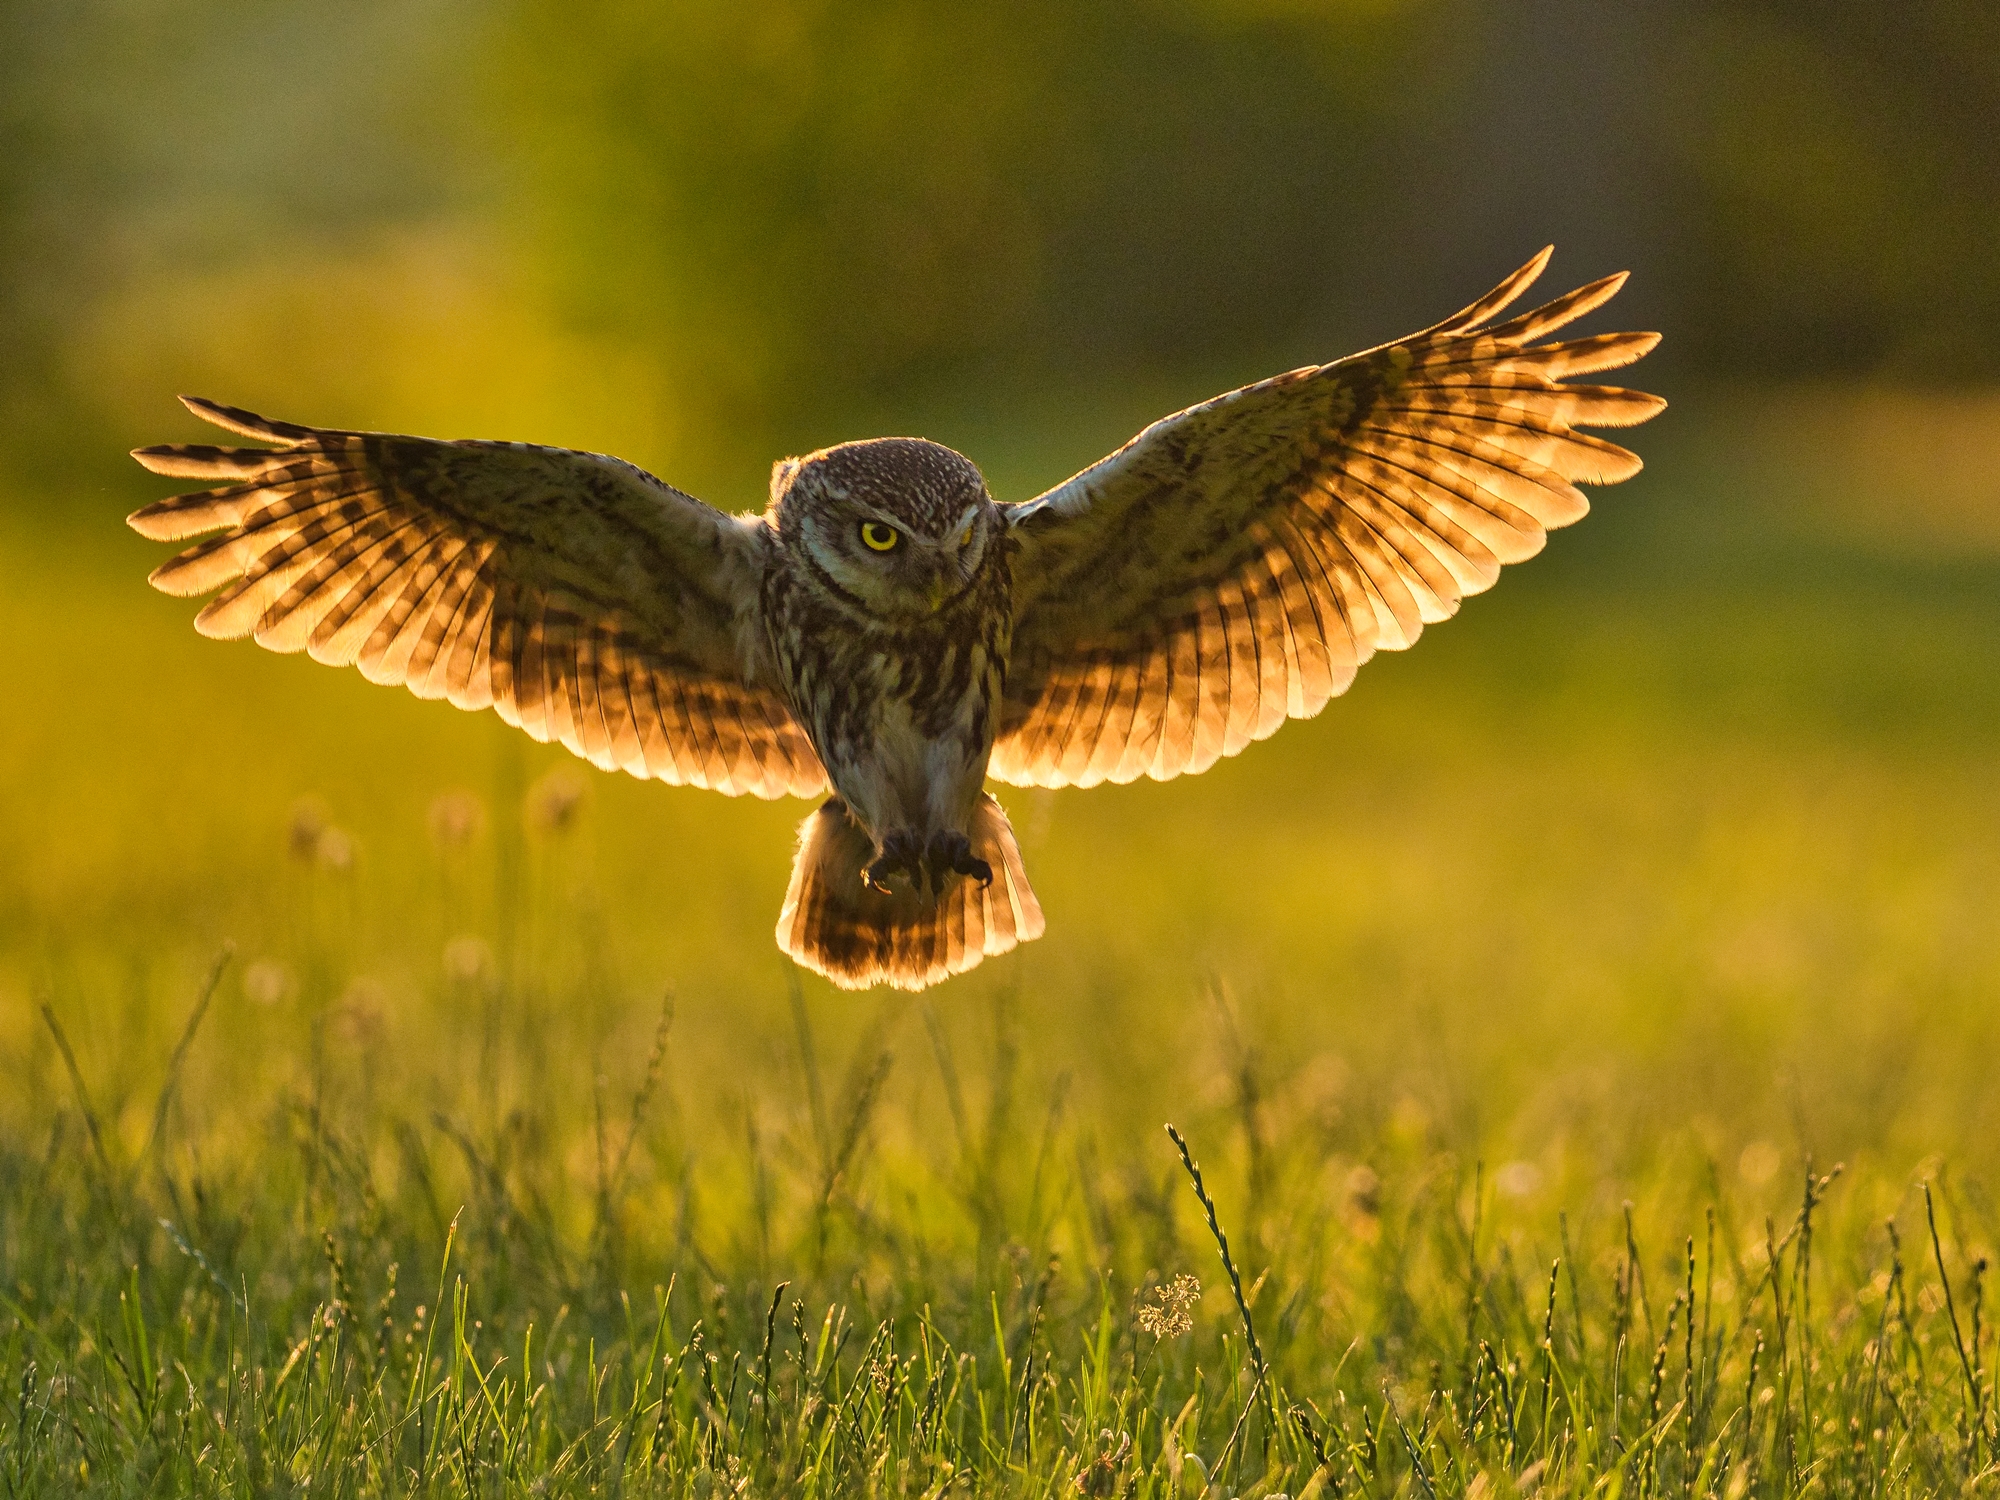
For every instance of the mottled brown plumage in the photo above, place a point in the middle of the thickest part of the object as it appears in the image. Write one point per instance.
(886, 630)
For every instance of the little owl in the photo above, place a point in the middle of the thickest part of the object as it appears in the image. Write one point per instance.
(886, 631)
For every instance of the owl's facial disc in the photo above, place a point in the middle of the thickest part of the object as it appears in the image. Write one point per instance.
(890, 562)
(897, 526)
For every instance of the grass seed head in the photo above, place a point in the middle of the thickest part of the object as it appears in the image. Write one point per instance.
(456, 819)
(554, 799)
(335, 850)
(266, 982)
(303, 828)
(1171, 1312)
(467, 958)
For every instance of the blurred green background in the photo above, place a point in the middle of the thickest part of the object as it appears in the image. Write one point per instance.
(699, 234)
(1683, 844)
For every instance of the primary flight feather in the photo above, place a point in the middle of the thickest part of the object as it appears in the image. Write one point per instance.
(885, 629)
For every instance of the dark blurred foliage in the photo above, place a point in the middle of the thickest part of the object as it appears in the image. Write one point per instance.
(1839, 183)
(811, 212)
(837, 203)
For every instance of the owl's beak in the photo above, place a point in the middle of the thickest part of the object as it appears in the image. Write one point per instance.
(940, 589)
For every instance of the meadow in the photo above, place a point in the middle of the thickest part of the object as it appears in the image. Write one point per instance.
(1584, 1031)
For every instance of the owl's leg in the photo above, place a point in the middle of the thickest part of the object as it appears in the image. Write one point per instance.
(901, 854)
(951, 854)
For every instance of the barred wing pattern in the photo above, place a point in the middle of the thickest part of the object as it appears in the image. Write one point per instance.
(579, 597)
(1232, 566)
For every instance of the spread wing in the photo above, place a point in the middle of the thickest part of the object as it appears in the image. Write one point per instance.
(577, 596)
(1231, 566)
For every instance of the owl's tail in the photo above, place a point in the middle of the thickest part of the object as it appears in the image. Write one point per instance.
(835, 925)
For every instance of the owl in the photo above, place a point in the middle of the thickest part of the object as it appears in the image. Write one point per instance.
(887, 635)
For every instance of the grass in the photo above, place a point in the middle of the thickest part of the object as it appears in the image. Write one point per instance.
(1578, 1042)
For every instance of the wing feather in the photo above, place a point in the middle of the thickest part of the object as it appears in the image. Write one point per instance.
(1149, 713)
(1276, 663)
(471, 678)
(1308, 681)
(580, 598)
(392, 653)
(1246, 671)
(656, 740)
(1234, 565)
(614, 703)
(331, 611)
(1126, 737)
(1183, 699)
(1345, 646)
(1211, 684)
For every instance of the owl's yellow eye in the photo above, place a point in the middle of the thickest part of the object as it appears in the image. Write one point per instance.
(965, 540)
(879, 537)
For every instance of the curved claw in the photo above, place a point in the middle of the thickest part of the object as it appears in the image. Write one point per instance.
(931, 865)
(899, 855)
(951, 854)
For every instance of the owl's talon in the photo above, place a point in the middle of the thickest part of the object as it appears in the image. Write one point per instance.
(899, 856)
(951, 854)
(931, 865)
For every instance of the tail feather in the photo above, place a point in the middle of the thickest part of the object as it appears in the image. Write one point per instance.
(833, 924)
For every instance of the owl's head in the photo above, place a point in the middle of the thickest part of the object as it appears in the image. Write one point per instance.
(900, 526)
